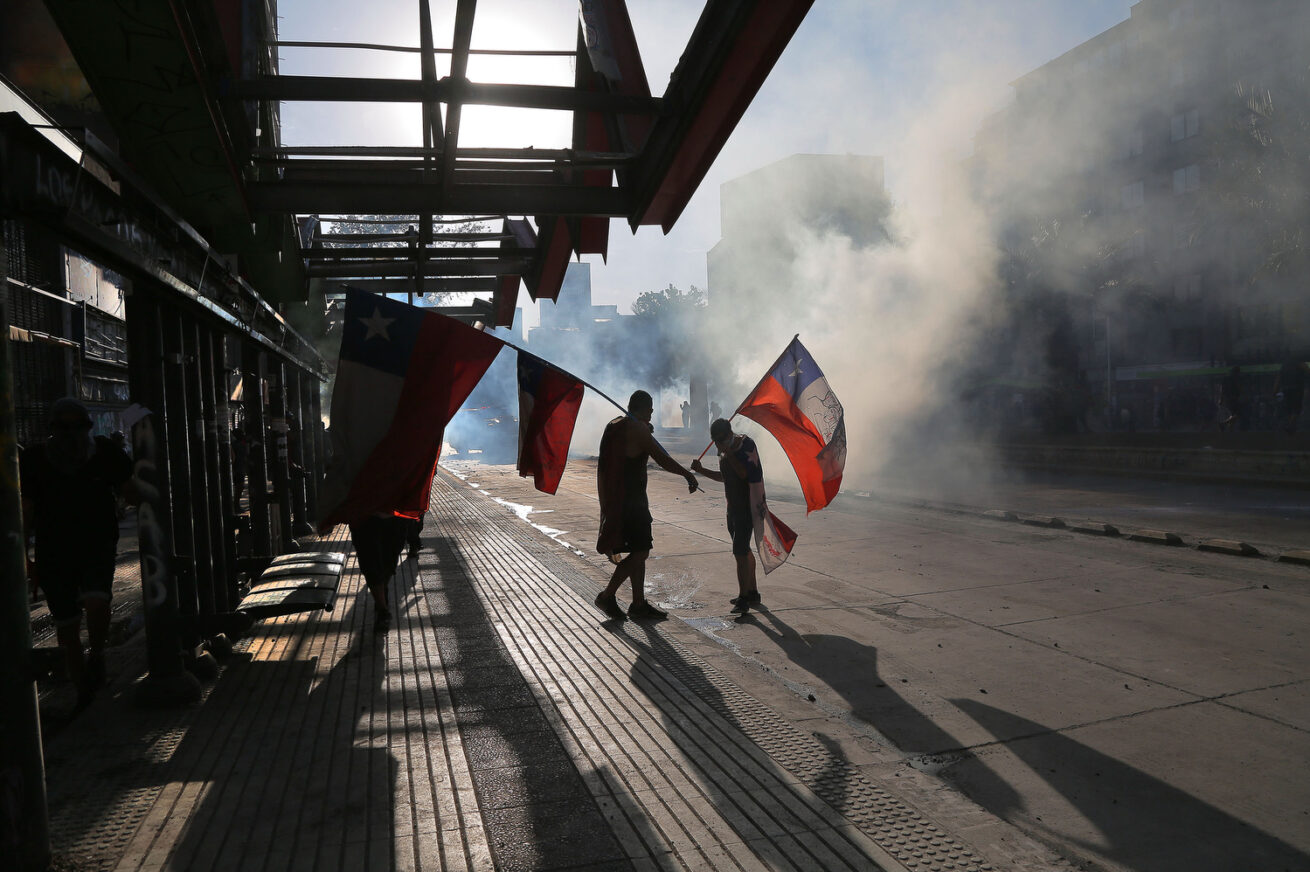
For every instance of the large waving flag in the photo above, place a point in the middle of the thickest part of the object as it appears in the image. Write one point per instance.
(795, 404)
(548, 407)
(402, 374)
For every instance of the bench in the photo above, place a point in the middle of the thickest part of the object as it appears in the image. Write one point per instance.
(299, 582)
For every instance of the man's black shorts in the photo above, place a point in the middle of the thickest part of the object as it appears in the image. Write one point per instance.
(73, 573)
(636, 527)
(741, 528)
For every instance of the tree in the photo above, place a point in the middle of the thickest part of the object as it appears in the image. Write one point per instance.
(664, 339)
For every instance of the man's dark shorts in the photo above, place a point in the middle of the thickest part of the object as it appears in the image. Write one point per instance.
(636, 527)
(74, 573)
(741, 527)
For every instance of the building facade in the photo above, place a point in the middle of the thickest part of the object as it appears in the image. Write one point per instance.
(1149, 190)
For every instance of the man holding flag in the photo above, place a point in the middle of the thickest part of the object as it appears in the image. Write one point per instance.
(748, 513)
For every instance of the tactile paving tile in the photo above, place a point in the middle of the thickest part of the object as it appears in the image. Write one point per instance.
(896, 827)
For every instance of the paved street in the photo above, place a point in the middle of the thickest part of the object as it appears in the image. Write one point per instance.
(1135, 705)
(922, 689)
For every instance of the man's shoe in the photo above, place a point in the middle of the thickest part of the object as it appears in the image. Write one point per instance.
(382, 622)
(750, 596)
(609, 605)
(644, 611)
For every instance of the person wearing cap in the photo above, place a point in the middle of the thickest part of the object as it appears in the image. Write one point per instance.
(739, 467)
(70, 486)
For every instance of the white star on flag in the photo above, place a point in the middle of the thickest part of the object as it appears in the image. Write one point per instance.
(377, 325)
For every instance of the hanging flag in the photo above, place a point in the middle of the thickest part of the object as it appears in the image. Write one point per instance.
(773, 539)
(795, 404)
(401, 375)
(548, 407)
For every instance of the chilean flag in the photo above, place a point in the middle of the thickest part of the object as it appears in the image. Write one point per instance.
(402, 374)
(795, 404)
(548, 407)
(773, 539)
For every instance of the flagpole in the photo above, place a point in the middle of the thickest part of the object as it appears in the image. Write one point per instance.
(742, 404)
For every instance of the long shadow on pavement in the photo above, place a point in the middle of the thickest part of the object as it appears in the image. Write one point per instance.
(1147, 824)
(536, 808)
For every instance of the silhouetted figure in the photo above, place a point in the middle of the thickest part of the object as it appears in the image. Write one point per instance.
(625, 521)
(739, 467)
(413, 537)
(686, 414)
(715, 412)
(1290, 391)
(1230, 397)
(378, 541)
(70, 490)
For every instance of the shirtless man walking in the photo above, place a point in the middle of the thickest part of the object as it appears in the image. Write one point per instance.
(625, 521)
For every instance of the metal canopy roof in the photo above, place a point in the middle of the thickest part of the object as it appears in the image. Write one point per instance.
(633, 155)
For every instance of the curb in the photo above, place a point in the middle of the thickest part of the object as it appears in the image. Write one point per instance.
(1156, 537)
(1301, 557)
(1229, 546)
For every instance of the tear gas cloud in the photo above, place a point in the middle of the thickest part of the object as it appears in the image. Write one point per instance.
(992, 269)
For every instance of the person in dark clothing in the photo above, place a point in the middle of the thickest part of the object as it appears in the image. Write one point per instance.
(70, 488)
(414, 536)
(1290, 387)
(378, 541)
(739, 467)
(1230, 397)
(625, 521)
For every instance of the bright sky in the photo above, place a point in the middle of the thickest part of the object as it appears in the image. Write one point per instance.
(857, 74)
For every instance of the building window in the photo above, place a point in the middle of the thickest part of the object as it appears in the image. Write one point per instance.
(1133, 143)
(1187, 289)
(1185, 235)
(1130, 196)
(1136, 246)
(1186, 341)
(1187, 179)
(1184, 125)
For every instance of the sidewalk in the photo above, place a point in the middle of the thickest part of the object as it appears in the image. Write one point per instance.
(501, 723)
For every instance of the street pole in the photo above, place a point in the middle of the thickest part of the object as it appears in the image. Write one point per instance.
(24, 818)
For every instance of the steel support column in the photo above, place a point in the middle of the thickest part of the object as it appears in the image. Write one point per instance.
(252, 400)
(168, 682)
(203, 545)
(24, 818)
(227, 496)
(296, 451)
(279, 462)
(321, 449)
(220, 575)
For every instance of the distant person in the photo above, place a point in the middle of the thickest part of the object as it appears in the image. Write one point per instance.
(715, 412)
(1230, 398)
(686, 414)
(70, 486)
(378, 541)
(1289, 390)
(739, 467)
(625, 521)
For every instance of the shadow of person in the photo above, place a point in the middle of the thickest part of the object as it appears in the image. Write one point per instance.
(1148, 825)
(850, 669)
